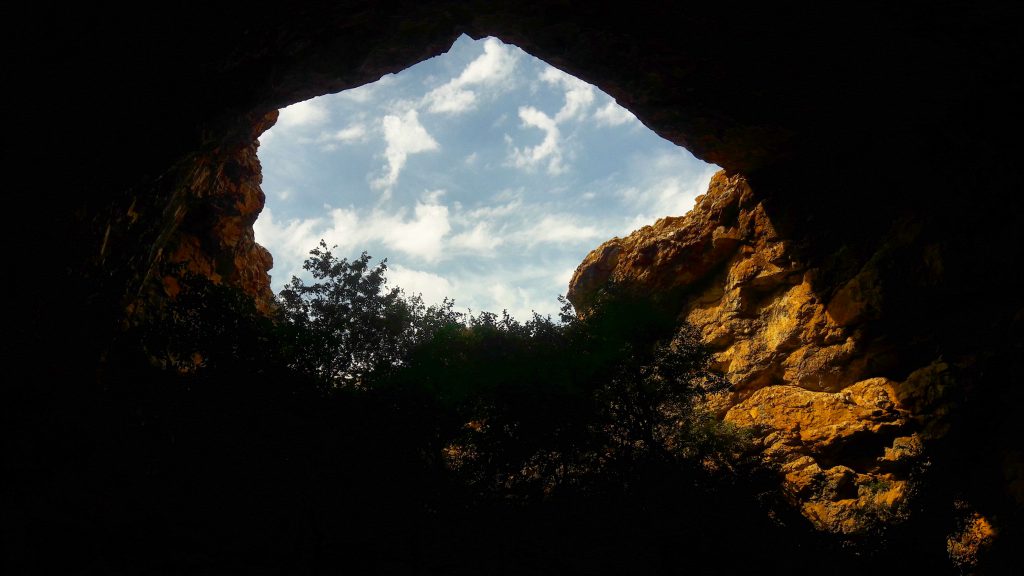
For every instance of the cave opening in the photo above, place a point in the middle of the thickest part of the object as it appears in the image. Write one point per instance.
(484, 175)
(125, 120)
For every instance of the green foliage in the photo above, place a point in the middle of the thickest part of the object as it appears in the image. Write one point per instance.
(543, 406)
(207, 326)
(529, 408)
(348, 324)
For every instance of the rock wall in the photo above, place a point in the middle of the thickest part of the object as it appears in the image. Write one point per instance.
(215, 237)
(847, 415)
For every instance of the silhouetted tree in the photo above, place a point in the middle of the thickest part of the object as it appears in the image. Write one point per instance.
(348, 324)
(206, 326)
(543, 406)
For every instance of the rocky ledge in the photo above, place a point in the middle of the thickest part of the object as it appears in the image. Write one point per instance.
(849, 441)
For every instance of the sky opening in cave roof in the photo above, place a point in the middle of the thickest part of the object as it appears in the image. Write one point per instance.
(484, 175)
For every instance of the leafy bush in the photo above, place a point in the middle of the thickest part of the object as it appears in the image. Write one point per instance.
(348, 324)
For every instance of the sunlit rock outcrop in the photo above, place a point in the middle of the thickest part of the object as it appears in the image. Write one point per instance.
(215, 238)
(846, 438)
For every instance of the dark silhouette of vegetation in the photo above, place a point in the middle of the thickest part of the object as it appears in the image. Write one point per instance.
(348, 325)
(361, 431)
(522, 408)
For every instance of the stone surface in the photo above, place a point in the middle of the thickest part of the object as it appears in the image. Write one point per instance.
(215, 238)
(797, 367)
(800, 348)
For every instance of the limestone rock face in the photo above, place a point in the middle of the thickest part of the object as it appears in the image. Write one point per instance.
(215, 238)
(844, 437)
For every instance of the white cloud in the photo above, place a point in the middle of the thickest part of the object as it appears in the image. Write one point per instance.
(611, 114)
(508, 296)
(664, 192)
(404, 136)
(344, 229)
(420, 236)
(578, 97)
(309, 113)
(495, 64)
(561, 279)
(492, 68)
(520, 289)
(500, 205)
(289, 242)
(481, 240)
(560, 229)
(351, 133)
(432, 196)
(450, 99)
(548, 151)
(434, 288)
(578, 94)
(367, 92)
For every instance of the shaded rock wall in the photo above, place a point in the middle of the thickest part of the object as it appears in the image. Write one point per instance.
(215, 237)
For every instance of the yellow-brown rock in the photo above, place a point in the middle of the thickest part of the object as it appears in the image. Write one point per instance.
(215, 238)
(799, 364)
(974, 534)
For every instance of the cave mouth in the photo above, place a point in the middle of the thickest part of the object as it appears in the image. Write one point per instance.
(483, 174)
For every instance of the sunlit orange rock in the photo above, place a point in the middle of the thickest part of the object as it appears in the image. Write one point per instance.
(843, 438)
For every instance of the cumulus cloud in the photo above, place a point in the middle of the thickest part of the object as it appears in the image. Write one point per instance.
(482, 239)
(289, 242)
(367, 92)
(578, 94)
(558, 229)
(501, 205)
(549, 153)
(561, 279)
(520, 288)
(404, 136)
(669, 190)
(348, 134)
(420, 235)
(493, 67)
(611, 114)
(309, 113)
(433, 287)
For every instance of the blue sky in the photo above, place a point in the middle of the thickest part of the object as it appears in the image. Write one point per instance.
(483, 174)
